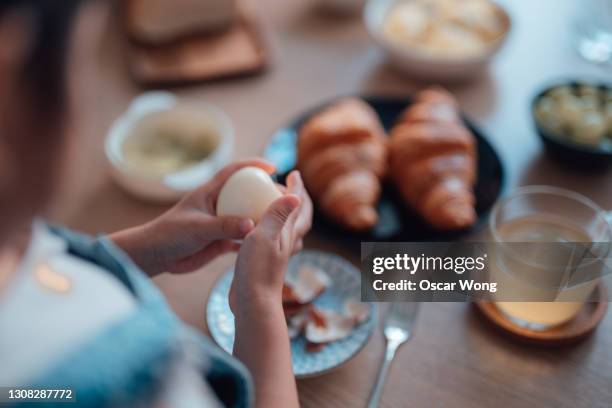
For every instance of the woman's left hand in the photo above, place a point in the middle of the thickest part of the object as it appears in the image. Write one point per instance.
(190, 235)
(303, 222)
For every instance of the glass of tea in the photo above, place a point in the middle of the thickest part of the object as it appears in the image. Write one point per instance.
(540, 231)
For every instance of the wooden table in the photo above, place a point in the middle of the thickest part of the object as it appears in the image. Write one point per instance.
(454, 359)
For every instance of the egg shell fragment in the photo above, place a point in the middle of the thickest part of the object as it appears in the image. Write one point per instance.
(309, 283)
(326, 326)
(289, 297)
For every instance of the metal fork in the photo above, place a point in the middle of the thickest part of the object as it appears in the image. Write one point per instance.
(399, 326)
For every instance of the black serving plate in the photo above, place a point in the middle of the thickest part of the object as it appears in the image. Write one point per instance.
(563, 149)
(397, 222)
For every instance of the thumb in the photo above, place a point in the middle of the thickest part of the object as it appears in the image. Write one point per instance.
(276, 215)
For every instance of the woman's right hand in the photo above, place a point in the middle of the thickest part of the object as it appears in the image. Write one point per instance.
(265, 251)
(262, 341)
(263, 257)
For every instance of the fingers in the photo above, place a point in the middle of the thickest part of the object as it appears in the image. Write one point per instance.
(215, 185)
(294, 180)
(216, 228)
(296, 186)
(277, 215)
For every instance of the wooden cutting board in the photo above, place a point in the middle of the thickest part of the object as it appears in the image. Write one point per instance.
(235, 51)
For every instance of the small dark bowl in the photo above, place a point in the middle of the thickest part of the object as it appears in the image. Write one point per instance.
(566, 151)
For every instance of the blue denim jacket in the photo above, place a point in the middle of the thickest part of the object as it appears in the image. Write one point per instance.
(126, 363)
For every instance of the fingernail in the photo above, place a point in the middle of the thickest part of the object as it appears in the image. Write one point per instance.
(296, 177)
(246, 226)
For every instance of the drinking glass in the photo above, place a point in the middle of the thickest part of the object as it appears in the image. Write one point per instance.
(540, 270)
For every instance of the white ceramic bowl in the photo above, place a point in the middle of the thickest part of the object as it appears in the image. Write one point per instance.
(419, 64)
(172, 186)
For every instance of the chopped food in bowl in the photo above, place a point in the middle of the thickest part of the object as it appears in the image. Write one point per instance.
(580, 113)
(445, 28)
(574, 120)
(438, 39)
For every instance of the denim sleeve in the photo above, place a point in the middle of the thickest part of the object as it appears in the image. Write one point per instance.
(155, 332)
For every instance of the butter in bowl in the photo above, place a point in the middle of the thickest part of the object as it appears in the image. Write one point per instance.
(162, 148)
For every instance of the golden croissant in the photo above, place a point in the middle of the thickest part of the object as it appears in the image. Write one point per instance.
(342, 155)
(433, 161)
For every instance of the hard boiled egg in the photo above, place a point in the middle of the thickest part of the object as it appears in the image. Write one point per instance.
(247, 193)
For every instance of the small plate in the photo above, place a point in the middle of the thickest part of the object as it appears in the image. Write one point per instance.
(397, 221)
(346, 284)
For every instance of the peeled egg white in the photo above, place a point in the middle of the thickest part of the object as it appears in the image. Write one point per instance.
(247, 193)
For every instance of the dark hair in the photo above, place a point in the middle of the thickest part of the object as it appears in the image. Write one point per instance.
(43, 72)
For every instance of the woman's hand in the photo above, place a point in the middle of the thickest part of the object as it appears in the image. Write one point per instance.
(303, 220)
(262, 341)
(262, 260)
(189, 235)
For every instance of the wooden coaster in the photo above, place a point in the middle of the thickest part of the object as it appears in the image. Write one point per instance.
(568, 333)
(237, 50)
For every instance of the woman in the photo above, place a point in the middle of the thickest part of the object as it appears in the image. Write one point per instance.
(78, 312)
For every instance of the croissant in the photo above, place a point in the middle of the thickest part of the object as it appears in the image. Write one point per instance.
(433, 161)
(342, 155)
